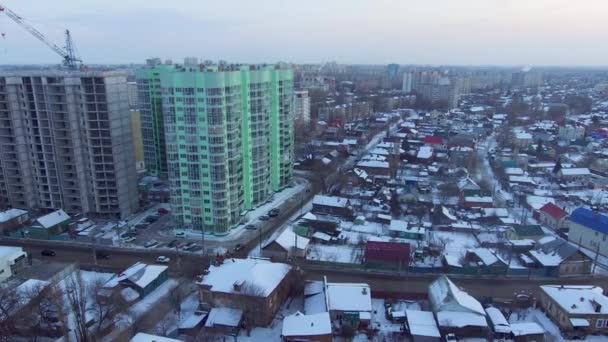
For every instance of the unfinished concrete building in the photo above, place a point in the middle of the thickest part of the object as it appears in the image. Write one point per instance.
(66, 142)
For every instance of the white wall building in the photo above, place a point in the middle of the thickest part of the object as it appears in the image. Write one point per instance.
(301, 106)
(11, 260)
(571, 132)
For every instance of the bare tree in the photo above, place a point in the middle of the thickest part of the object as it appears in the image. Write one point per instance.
(76, 294)
(44, 310)
(104, 308)
(163, 327)
(9, 302)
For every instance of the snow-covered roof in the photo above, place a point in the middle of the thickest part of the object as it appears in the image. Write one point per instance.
(425, 152)
(373, 163)
(224, 316)
(578, 299)
(547, 259)
(422, 323)
(330, 201)
(141, 337)
(526, 328)
(11, 214)
(10, 253)
(486, 255)
(523, 136)
(139, 274)
(349, 297)
(300, 324)
(461, 319)
(53, 219)
(24, 289)
(514, 171)
(499, 322)
(322, 236)
(445, 295)
(398, 225)
(575, 171)
(447, 213)
(288, 240)
(260, 274)
(479, 199)
(310, 216)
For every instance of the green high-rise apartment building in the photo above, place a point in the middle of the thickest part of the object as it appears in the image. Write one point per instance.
(150, 107)
(228, 132)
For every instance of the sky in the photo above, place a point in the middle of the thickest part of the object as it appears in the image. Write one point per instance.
(455, 32)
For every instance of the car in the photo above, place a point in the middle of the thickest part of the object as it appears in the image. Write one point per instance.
(180, 234)
(102, 255)
(251, 227)
(163, 259)
(128, 239)
(152, 218)
(141, 226)
(238, 247)
(189, 246)
(162, 211)
(273, 212)
(128, 235)
(150, 243)
(264, 218)
(47, 252)
(172, 244)
(450, 338)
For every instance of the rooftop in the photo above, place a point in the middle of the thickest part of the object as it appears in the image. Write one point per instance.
(590, 219)
(579, 299)
(300, 324)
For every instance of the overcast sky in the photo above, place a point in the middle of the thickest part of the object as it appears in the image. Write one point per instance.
(467, 32)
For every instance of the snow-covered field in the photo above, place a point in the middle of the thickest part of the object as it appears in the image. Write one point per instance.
(335, 253)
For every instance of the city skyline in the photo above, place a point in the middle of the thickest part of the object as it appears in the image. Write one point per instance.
(478, 32)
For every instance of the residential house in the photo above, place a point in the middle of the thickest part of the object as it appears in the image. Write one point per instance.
(576, 309)
(560, 258)
(50, 225)
(332, 205)
(12, 260)
(486, 260)
(527, 332)
(478, 202)
(257, 287)
(554, 217)
(523, 232)
(468, 188)
(142, 337)
(137, 281)
(499, 324)
(422, 326)
(574, 173)
(387, 255)
(223, 321)
(375, 168)
(456, 311)
(348, 303)
(11, 220)
(434, 141)
(589, 229)
(300, 327)
(522, 139)
(425, 155)
(287, 245)
(402, 229)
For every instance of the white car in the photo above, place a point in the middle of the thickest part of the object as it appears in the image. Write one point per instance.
(163, 259)
(128, 239)
(150, 243)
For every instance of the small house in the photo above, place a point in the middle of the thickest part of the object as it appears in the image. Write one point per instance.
(223, 321)
(554, 217)
(12, 260)
(12, 219)
(287, 245)
(402, 229)
(301, 327)
(331, 205)
(137, 281)
(522, 232)
(422, 326)
(50, 225)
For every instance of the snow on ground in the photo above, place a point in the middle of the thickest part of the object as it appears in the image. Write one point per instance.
(380, 321)
(274, 331)
(552, 332)
(148, 302)
(456, 243)
(171, 322)
(335, 253)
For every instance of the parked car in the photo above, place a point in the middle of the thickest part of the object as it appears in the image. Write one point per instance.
(180, 234)
(162, 211)
(128, 239)
(450, 338)
(264, 218)
(47, 252)
(102, 255)
(128, 235)
(273, 212)
(238, 247)
(141, 226)
(251, 227)
(172, 244)
(150, 243)
(189, 246)
(152, 218)
(163, 259)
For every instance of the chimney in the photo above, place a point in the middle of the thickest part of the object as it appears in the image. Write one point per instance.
(237, 286)
(364, 291)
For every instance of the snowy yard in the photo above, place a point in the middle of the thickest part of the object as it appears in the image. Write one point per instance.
(455, 243)
(335, 253)
(552, 332)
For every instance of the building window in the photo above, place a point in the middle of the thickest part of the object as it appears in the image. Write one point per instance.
(599, 323)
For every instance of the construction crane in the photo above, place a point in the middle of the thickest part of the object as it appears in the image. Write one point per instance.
(70, 60)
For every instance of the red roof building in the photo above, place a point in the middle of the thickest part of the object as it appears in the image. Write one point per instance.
(553, 216)
(388, 255)
(433, 140)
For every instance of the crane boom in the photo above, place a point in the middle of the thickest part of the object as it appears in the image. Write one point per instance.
(69, 56)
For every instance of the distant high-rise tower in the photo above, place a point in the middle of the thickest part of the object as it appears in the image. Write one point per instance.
(407, 82)
(229, 139)
(66, 142)
(301, 106)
